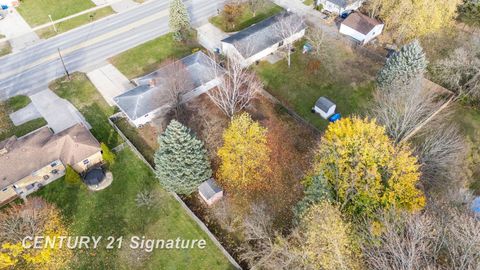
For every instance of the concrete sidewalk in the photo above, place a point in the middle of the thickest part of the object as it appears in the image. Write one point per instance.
(117, 5)
(17, 31)
(110, 82)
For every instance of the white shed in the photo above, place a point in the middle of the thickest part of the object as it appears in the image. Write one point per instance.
(324, 107)
(210, 192)
(361, 27)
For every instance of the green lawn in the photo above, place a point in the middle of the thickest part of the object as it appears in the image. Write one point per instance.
(148, 57)
(85, 97)
(5, 48)
(113, 211)
(75, 22)
(246, 18)
(469, 120)
(7, 128)
(299, 89)
(36, 12)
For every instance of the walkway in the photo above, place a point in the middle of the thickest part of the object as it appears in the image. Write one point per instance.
(110, 82)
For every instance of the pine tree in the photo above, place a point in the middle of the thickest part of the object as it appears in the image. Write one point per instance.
(181, 162)
(179, 20)
(404, 65)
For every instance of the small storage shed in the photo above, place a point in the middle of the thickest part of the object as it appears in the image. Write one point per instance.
(324, 107)
(210, 192)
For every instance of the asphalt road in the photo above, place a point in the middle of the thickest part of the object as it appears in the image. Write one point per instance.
(30, 70)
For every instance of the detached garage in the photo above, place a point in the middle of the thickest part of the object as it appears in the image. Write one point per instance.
(361, 27)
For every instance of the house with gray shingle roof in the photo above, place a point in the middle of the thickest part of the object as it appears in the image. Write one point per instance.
(261, 39)
(340, 6)
(151, 98)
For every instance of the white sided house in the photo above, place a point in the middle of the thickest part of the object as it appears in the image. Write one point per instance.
(361, 27)
(261, 39)
(151, 98)
(340, 6)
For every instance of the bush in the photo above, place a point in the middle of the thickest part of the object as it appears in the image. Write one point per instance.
(107, 155)
(72, 177)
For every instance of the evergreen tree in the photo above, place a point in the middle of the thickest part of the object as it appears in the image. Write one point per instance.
(179, 20)
(181, 162)
(404, 65)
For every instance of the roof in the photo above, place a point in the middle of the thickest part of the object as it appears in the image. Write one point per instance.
(36, 150)
(144, 98)
(261, 36)
(361, 22)
(343, 3)
(324, 104)
(209, 188)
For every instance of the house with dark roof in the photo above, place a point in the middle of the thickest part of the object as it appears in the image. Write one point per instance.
(210, 192)
(261, 39)
(151, 97)
(35, 160)
(340, 6)
(361, 27)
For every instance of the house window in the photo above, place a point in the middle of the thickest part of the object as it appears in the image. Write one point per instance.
(46, 177)
(5, 189)
(54, 164)
(281, 43)
(86, 161)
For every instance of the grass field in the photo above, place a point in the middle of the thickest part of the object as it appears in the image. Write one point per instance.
(75, 22)
(148, 57)
(5, 48)
(298, 88)
(36, 12)
(85, 97)
(246, 18)
(7, 129)
(114, 211)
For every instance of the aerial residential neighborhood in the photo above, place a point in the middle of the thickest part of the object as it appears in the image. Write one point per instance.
(240, 134)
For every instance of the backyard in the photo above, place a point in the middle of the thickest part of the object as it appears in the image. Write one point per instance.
(85, 97)
(75, 22)
(246, 17)
(36, 12)
(349, 85)
(114, 211)
(148, 57)
(7, 128)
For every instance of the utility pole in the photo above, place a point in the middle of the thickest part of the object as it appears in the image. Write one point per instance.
(63, 63)
(53, 23)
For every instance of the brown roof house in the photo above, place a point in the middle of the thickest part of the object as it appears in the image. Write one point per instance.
(39, 158)
(361, 27)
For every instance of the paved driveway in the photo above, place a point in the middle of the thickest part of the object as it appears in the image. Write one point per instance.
(17, 30)
(25, 114)
(110, 82)
(59, 113)
(210, 37)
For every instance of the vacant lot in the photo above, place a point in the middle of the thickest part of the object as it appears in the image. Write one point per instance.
(114, 212)
(85, 97)
(246, 18)
(148, 57)
(346, 79)
(7, 129)
(75, 22)
(36, 12)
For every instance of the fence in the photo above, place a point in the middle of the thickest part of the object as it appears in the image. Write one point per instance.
(180, 201)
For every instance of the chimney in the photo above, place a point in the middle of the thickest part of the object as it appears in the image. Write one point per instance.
(152, 83)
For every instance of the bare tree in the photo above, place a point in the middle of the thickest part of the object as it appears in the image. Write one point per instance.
(287, 26)
(460, 72)
(256, 5)
(316, 37)
(177, 81)
(225, 215)
(442, 151)
(401, 108)
(238, 86)
(267, 249)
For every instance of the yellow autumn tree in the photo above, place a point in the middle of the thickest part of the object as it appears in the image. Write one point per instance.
(365, 170)
(244, 155)
(328, 240)
(407, 19)
(35, 217)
